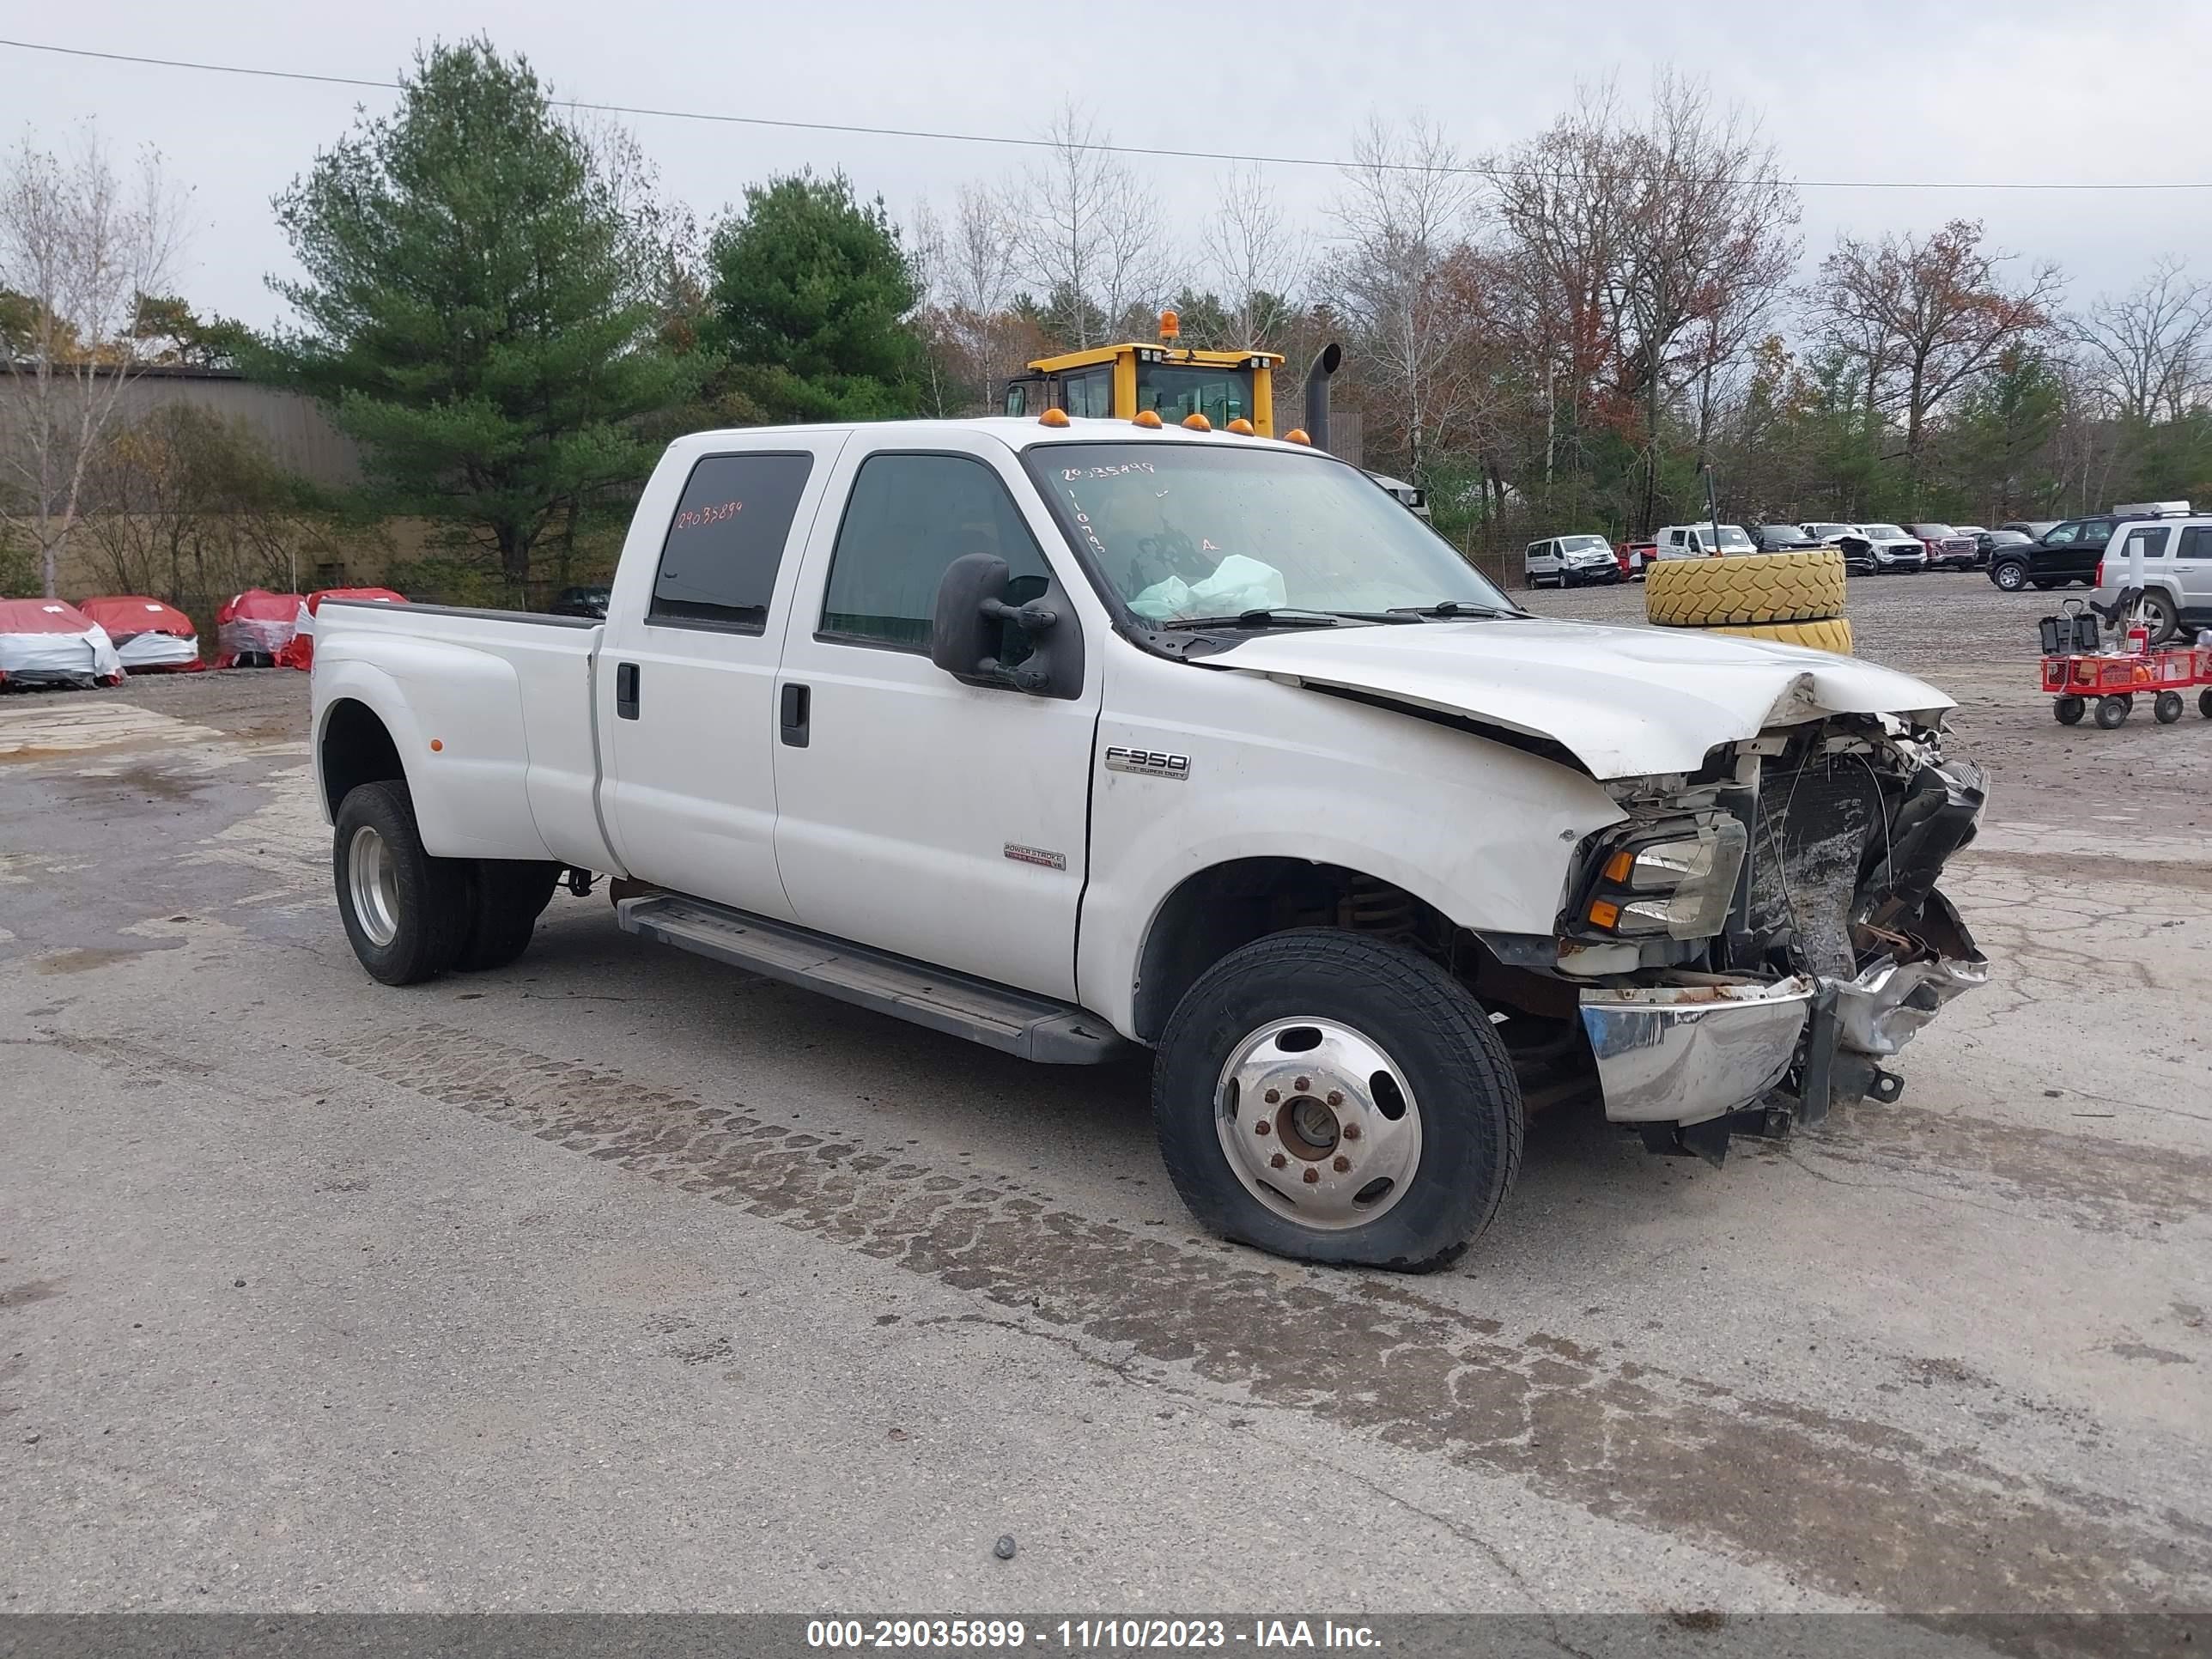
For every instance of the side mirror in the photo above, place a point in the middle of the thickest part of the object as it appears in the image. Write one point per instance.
(969, 619)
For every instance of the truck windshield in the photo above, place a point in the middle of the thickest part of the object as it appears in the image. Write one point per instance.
(1222, 395)
(1186, 530)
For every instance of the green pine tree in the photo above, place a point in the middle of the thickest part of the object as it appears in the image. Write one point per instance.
(477, 309)
(809, 300)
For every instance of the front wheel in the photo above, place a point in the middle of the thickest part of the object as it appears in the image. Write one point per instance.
(404, 911)
(2010, 577)
(2111, 711)
(2166, 708)
(1332, 1097)
(2069, 710)
(506, 897)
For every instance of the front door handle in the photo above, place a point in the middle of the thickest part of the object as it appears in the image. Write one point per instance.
(798, 705)
(626, 691)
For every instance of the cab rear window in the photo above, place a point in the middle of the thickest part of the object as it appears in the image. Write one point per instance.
(726, 541)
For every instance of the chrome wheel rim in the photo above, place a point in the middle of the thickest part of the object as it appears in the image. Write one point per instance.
(373, 881)
(1318, 1122)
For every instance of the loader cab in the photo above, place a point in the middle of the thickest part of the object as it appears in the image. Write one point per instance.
(1118, 382)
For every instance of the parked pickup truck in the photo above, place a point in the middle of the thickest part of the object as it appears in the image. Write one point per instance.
(1083, 738)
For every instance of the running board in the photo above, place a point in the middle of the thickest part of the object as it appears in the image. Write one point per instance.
(1035, 1028)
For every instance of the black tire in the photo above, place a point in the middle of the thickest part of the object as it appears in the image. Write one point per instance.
(2069, 710)
(2009, 576)
(506, 896)
(2167, 708)
(424, 904)
(2111, 711)
(2044, 584)
(1428, 1027)
(2164, 621)
(2205, 704)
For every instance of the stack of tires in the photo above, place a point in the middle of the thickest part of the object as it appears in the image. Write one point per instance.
(1794, 598)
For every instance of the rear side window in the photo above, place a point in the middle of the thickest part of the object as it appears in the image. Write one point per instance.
(909, 517)
(2196, 543)
(725, 542)
(2152, 541)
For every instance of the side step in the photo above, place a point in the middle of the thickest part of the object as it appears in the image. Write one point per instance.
(1035, 1028)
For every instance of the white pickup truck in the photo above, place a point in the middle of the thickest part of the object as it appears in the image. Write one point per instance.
(1080, 737)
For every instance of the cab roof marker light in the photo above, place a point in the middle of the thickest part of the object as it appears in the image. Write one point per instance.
(1052, 417)
(1240, 426)
(1197, 423)
(1147, 418)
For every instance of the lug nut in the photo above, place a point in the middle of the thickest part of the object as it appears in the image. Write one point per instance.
(1351, 1132)
(1312, 1174)
(1277, 1162)
(1340, 1165)
(1261, 1127)
(1305, 1084)
(1273, 1095)
(1336, 1097)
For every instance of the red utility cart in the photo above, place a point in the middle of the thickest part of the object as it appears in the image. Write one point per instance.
(2112, 681)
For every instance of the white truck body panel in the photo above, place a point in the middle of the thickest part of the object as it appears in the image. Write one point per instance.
(1626, 701)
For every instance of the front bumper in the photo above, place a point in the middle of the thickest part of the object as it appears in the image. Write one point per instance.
(1689, 1053)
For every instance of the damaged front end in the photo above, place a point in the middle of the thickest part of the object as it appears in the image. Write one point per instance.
(1835, 946)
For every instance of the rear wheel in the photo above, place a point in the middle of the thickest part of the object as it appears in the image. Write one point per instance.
(2205, 704)
(1333, 1097)
(404, 911)
(506, 897)
(2069, 710)
(2111, 711)
(2161, 616)
(2167, 709)
(2043, 584)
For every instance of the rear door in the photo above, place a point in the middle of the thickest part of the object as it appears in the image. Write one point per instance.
(685, 684)
(2192, 570)
(938, 820)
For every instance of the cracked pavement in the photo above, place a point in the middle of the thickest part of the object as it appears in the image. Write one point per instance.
(618, 1280)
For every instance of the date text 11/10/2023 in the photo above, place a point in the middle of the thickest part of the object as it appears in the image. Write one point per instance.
(1091, 1635)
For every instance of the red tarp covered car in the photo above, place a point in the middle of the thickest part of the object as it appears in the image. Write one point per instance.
(252, 627)
(300, 651)
(147, 634)
(47, 643)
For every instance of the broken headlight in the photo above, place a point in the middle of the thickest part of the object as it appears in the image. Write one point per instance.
(1679, 880)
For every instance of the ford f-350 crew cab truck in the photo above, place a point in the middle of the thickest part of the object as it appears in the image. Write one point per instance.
(1072, 739)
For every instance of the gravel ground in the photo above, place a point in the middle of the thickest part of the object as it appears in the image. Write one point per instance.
(617, 1280)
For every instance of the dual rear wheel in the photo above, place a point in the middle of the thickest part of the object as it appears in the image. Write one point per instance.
(412, 916)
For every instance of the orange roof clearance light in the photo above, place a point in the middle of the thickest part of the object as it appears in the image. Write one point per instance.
(1241, 427)
(1196, 422)
(1052, 417)
(1171, 325)
(1297, 435)
(1145, 417)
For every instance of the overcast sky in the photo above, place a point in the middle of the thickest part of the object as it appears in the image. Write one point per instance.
(2021, 92)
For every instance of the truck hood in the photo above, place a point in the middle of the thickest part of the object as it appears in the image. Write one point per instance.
(1625, 701)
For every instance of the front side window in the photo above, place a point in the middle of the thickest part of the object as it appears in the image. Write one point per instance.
(2062, 535)
(1186, 530)
(1222, 395)
(726, 541)
(909, 516)
(1091, 394)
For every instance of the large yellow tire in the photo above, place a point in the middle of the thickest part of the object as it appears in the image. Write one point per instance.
(1745, 587)
(1828, 634)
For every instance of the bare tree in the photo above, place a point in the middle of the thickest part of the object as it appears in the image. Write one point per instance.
(1086, 229)
(78, 247)
(2147, 347)
(1255, 257)
(1923, 316)
(1408, 201)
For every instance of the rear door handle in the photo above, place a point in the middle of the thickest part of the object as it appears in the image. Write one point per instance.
(626, 691)
(798, 705)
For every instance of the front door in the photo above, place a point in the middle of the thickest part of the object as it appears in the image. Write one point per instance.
(686, 678)
(917, 814)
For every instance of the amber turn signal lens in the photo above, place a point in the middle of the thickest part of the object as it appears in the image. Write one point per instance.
(1617, 866)
(1297, 435)
(1145, 417)
(1197, 423)
(1052, 417)
(1604, 912)
(1241, 427)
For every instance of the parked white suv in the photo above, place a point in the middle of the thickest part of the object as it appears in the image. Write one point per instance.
(2170, 559)
(1571, 561)
(1695, 541)
(1080, 739)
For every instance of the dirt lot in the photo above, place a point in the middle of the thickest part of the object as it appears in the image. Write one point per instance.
(618, 1280)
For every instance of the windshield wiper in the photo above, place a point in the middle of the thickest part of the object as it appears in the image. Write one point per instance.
(1452, 608)
(1278, 616)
